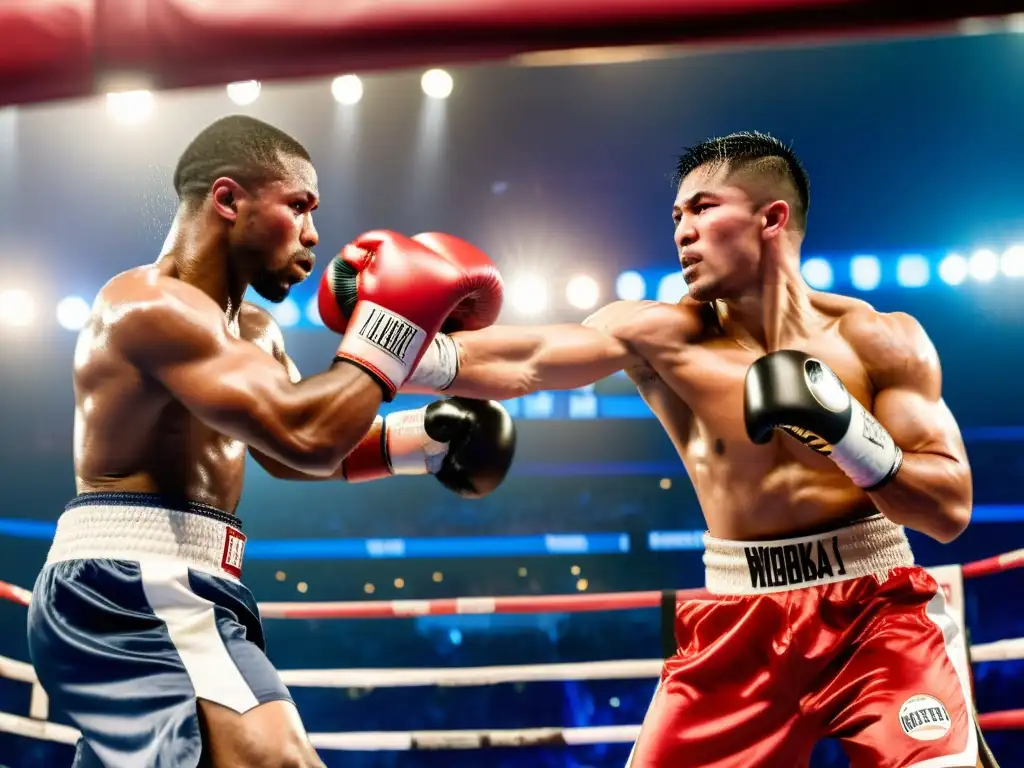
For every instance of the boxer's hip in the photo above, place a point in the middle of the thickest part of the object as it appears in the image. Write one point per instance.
(138, 612)
(873, 547)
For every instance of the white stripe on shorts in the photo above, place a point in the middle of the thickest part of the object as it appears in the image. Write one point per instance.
(956, 650)
(192, 626)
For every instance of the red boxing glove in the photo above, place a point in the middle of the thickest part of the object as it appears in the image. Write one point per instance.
(389, 295)
(482, 307)
(439, 365)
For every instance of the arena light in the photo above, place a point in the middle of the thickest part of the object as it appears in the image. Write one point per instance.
(528, 294)
(672, 288)
(244, 92)
(1012, 261)
(912, 271)
(131, 107)
(983, 265)
(865, 272)
(583, 292)
(17, 309)
(347, 89)
(287, 313)
(313, 312)
(953, 269)
(630, 286)
(437, 84)
(73, 313)
(818, 273)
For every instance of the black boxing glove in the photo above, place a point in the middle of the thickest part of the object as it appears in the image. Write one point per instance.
(467, 444)
(794, 392)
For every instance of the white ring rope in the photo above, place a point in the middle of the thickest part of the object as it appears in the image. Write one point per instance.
(38, 727)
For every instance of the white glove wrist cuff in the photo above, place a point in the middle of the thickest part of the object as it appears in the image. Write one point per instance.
(439, 365)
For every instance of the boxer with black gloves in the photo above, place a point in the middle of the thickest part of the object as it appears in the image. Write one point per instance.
(827, 628)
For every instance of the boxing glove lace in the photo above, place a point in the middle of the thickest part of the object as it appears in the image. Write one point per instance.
(468, 445)
(794, 392)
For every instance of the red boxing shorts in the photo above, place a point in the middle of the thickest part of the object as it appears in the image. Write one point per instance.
(836, 635)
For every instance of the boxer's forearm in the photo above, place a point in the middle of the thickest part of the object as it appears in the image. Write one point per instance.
(931, 493)
(505, 362)
(281, 471)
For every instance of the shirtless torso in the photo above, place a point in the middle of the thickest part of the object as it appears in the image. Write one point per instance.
(132, 433)
(692, 378)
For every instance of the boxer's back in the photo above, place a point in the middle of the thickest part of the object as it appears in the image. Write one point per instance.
(695, 386)
(130, 434)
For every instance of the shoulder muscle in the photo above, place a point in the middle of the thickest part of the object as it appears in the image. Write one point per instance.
(895, 349)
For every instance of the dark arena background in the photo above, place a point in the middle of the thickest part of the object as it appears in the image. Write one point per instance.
(546, 134)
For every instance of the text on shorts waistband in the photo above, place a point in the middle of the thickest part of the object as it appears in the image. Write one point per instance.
(873, 546)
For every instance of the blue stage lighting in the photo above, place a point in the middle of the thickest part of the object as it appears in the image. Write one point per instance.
(818, 273)
(630, 286)
(953, 269)
(913, 271)
(865, 272)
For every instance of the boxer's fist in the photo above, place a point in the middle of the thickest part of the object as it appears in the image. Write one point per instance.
(480, 308)
(793, 392)
(481, 440)
(467, 444)
(389, 295)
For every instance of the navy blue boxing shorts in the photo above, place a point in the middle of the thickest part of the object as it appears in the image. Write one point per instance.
(138, 613)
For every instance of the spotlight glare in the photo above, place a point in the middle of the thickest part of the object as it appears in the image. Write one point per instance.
(583, 292)
(818, 273)
(244, 92)
(672, 288)
(131, 107)
(528, 294)
(437, 84)
(983, 265)
(1012, 262)
(313, 312)
(953, 269)
(865, 272)
(17, 308)
(287, 313)
(73, 313)
(347, 89)
(630, 286)
(912, 271)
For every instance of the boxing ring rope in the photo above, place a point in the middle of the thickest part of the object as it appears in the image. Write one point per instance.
(36, 726)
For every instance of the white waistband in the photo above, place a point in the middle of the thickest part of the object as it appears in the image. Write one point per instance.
(129, 532)
(871, 547)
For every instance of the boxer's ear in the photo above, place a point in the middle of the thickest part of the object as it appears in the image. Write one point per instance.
(774, 218)
(225, 194)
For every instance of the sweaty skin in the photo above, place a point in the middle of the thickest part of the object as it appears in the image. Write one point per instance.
(689, 362)
(169, 391)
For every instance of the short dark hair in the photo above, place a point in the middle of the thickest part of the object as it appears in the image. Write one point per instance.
(760, 153)
(242, 148)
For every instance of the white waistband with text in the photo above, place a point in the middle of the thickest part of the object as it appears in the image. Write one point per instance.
(871, 547)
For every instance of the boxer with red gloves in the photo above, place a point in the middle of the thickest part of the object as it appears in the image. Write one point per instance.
(390, 294)
(175, 377)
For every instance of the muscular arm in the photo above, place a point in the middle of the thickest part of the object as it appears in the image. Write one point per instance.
(504, 362)
(177, 335)
(932, 492)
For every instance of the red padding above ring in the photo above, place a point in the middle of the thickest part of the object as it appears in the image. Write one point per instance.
(69, 48)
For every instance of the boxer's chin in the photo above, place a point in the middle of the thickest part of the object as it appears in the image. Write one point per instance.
(273, 289)
(702, 289)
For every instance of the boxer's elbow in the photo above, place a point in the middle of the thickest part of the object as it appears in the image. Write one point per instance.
(955, 504)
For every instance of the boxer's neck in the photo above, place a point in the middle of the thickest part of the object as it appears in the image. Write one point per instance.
(774, 313)
(195, 253)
